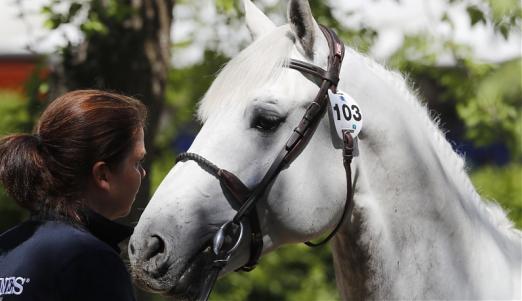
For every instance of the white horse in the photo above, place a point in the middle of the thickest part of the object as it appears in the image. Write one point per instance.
(417, 229)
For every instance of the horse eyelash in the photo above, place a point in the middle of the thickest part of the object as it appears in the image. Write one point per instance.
(269, 118)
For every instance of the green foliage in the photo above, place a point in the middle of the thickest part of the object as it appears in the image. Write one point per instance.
(506, 15)
(13, 112)
(502, 185)
(225, 5)
(494, 112)
(37, 91)
(476, 15)
(59, 12)
(291, 273)
(14, 119)
(489, 105)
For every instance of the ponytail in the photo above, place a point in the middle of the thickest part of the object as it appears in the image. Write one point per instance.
(23, 171)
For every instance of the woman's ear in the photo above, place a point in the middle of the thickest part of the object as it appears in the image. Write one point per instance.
(101, 175)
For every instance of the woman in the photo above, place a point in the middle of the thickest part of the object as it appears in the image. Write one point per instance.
(80, 170)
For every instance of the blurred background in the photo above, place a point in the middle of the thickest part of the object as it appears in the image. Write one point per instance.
(463, 57)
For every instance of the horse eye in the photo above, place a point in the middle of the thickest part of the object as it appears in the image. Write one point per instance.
(266, 124)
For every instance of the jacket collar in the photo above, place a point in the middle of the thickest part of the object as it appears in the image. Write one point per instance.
(112, 233)
(106, 230)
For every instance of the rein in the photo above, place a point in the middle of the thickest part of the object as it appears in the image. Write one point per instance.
(228, 237)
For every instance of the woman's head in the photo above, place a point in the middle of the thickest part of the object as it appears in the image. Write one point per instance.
(81, 135)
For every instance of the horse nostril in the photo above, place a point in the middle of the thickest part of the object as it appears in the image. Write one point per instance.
(156, 246)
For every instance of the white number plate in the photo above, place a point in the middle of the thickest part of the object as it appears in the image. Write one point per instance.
(346, 113)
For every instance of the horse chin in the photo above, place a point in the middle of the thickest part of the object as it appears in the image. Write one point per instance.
(185, 285)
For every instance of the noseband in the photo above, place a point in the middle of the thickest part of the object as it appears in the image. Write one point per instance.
(229, 235)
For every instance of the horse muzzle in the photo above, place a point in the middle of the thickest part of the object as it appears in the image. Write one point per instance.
(154, 269)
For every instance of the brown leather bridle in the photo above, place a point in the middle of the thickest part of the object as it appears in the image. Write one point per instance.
(227, 238)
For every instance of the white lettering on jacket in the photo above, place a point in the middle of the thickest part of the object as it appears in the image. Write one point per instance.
(12, 285)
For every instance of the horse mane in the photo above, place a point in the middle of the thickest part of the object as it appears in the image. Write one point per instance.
(486, 210)
(244, 73)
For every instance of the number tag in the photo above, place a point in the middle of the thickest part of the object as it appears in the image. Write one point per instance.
(346, 113)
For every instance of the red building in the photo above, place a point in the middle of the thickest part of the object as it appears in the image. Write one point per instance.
(16, 69)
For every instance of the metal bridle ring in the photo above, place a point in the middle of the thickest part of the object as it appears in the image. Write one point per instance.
(221, 234)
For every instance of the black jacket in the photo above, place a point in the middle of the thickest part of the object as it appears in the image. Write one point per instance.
(50, 259)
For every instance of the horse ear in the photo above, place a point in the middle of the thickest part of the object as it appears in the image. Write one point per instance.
(257, 22)
(305, 28)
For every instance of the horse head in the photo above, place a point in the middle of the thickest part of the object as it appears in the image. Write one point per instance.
(248, 114)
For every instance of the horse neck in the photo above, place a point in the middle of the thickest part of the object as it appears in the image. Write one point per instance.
(414, 206)
(404, 160)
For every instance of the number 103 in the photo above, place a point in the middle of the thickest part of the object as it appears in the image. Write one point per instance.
(348, 112)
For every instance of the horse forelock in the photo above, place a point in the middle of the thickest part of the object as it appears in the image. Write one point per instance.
(257, 66)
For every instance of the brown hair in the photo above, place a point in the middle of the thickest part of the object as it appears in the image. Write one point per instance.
(48, 170)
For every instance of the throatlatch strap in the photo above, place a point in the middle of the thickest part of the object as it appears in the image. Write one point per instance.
(347, 160)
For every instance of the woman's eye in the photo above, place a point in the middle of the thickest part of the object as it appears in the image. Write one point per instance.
(266, 124)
